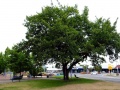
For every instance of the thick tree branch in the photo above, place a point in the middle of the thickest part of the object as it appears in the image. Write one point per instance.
(72, 64)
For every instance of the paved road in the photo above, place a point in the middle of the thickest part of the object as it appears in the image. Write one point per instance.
(103, 77)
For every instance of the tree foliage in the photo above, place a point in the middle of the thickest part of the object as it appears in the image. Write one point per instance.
(98, 68)
(17, 61)
(3, 63)
(68, 37)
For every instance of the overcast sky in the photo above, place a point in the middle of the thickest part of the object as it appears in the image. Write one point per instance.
(14, 12)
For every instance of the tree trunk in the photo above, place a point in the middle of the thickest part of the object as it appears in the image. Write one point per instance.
(65, 72)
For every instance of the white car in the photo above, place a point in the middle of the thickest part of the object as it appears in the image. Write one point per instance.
(94, 73)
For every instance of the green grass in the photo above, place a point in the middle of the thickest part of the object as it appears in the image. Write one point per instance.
(10, 88)
(43, 83)
(58, 77)
(56, 83)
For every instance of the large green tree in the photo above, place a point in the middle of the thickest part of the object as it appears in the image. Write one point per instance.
(63, 35)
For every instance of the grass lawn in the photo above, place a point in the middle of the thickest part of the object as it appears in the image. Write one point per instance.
(42, 83)
(54, 84)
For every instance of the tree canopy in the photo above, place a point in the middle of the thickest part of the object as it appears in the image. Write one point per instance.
(68, 37)
(17, 60)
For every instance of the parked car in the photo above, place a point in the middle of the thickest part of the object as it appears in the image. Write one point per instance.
(94, 73)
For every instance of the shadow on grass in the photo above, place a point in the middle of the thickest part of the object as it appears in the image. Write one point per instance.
(47, 83)
(44, 83)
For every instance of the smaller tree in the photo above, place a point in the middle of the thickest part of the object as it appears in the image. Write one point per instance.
(3, 63)
(98, 68)
(85, 67)
(17, 60)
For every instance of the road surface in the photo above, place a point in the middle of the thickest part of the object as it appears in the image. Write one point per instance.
(104, 77)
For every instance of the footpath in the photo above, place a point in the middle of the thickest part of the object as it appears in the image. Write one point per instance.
(6, 79)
